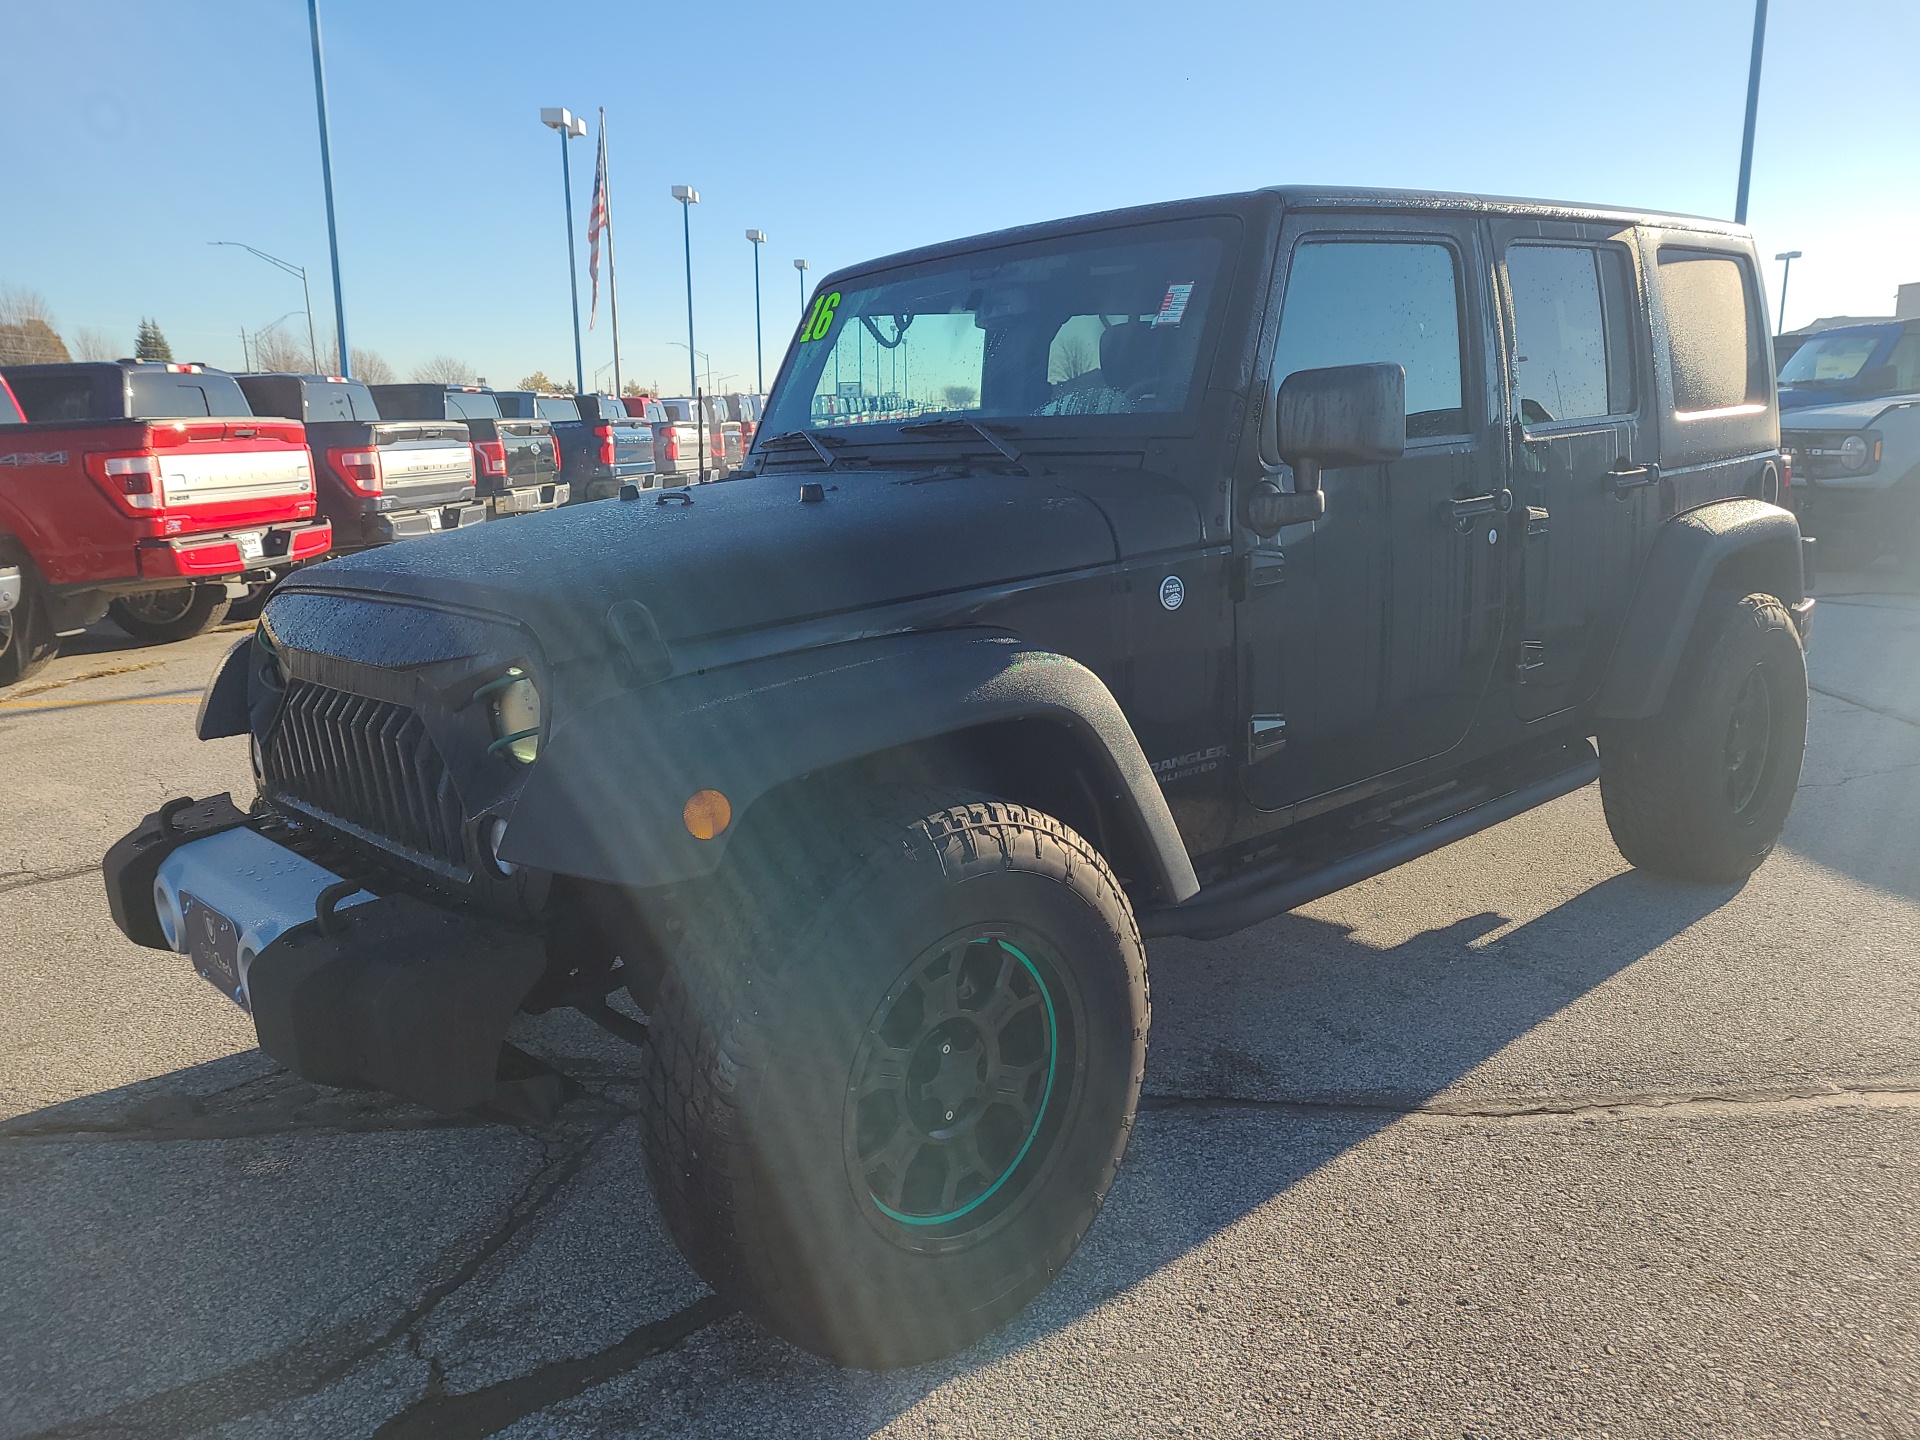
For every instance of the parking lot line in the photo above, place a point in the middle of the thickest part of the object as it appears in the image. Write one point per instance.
(7, 705)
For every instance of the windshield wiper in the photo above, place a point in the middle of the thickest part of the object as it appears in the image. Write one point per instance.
(958, 422)
(819, 444)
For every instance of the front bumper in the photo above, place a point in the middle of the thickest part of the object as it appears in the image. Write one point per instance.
(345, 988)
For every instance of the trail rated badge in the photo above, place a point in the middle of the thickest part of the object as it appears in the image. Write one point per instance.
(1173, 592)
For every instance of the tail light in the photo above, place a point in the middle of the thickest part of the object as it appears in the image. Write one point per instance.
(1786, 471)
(361, 469)
(558, 463)
(133, 480)
(604, 434)
(673, 443)
(490, 456)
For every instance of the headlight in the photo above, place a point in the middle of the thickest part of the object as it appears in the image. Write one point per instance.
(1852, 452)
(516, 715)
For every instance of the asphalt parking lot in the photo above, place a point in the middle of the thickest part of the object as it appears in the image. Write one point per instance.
(1511, 1142)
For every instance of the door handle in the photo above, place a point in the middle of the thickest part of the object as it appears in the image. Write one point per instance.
(1623, 477)
(1466, 511)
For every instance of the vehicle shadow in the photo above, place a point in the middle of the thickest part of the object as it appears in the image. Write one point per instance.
(1296, 1017)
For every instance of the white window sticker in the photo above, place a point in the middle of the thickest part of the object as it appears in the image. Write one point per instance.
(1173, 309)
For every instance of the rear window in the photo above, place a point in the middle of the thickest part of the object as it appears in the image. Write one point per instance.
(59, 397)
(9, 412)
(612, 409)
(550, 407)
(327, 400)
(469, 405)
(156, 395)
(1716, 350)
(678, 411)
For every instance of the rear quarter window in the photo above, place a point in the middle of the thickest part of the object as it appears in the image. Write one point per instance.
(9, 412)
(59, 397)
(1716, 349)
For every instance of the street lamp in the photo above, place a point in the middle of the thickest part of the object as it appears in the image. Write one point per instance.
(705, 358)
(1786, 259)
(801, 266)
(688, 198)
(570, 127)
(313, 348)
(757, 238)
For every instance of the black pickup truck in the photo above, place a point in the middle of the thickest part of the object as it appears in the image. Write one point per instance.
(601, 447)
(516, 465)
(1205, 558)
(379, 480)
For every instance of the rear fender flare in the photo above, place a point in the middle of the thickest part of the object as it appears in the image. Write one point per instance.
(604, 802)
(1744, 543)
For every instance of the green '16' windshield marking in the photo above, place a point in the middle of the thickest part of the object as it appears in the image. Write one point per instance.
(820, 318)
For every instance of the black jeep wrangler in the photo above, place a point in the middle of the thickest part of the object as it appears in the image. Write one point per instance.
(1143, 574)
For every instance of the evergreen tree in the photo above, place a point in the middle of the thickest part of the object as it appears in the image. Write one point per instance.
(150, 344)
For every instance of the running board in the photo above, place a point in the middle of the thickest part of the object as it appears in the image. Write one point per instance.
(1247, 899)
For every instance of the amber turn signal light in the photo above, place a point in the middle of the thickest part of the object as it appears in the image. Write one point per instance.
(707, 813)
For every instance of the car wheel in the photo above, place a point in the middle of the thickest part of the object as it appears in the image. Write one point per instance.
(26, 641)
(886, 1095)
(1702, 790)
(161, 616)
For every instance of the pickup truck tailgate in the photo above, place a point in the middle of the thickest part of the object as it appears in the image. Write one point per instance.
(529, 447)
(196, 477)
(430, 465)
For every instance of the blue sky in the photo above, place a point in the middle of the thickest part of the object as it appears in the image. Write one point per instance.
(134, 133)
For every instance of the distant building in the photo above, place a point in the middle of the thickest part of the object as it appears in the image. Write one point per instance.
(1907, 305)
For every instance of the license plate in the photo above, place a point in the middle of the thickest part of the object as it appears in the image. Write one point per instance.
(214, 947)
(252, 547)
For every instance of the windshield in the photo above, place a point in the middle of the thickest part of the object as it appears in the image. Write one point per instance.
(1104, 324)
(1839, 355)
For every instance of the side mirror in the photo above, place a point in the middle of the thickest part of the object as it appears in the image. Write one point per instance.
(1340, 415)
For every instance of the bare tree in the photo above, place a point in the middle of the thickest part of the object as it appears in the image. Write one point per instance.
(91, 344)
(443, 370)
(27, 334)
(1073, 356)
(275, 350)
(370, 368)
(959, 397)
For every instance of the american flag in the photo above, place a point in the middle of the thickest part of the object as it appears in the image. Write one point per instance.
(596, 223)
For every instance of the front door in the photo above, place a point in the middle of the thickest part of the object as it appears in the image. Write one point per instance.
(1584, 482)
(1370, 643)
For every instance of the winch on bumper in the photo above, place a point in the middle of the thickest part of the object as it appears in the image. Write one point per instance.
(345, 988)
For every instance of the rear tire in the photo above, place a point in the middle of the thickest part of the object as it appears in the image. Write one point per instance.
(27, 641)
(162, 616)
(893, 1071)
(1702, 790)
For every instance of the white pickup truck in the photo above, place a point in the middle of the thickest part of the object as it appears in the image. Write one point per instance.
(1850, 422)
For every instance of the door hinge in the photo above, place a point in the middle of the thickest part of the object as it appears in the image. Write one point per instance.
(1266, 735)
(1533, 656)
(1536, 520)
(1259, 570)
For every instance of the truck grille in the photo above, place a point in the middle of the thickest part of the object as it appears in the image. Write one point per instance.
(367, 767)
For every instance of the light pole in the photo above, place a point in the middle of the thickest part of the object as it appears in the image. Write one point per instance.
(570, 127)
(757, 238)
(801, 266)
(705, 358)
(313, 348)
(688, 198)
(1753, 111)
(326, 176)
(1786, 259)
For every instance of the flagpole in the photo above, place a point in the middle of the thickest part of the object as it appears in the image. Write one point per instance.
(613, 286)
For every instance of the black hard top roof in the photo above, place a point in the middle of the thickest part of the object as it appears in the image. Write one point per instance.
(1303, 197)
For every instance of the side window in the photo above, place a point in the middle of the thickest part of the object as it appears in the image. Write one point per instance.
(1572, 332)
(1356, 302)
(1717, 352)
(1905, 361)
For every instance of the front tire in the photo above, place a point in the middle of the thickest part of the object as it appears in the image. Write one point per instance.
(887, 1093)
(162, 616)
(1702, 790)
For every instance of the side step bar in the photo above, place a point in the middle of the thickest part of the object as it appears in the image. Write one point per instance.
(1247, 899)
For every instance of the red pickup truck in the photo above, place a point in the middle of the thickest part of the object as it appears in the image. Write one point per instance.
(143, 490)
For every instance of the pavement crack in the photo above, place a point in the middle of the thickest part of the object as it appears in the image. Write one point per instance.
(1816, 1095)
(1892, 714)
(27, 879)
(307, 1367)
(493, 1408)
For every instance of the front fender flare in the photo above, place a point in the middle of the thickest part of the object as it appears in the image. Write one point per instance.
(1749, 542)
(604, 801)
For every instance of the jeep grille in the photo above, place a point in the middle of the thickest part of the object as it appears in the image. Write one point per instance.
(368, 768)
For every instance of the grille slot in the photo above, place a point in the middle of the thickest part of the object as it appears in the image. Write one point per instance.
(367, 767)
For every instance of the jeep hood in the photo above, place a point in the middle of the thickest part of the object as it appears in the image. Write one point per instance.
(748, 553)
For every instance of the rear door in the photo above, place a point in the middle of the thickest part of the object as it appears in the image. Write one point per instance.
(1370, 636)
(1585, 477)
